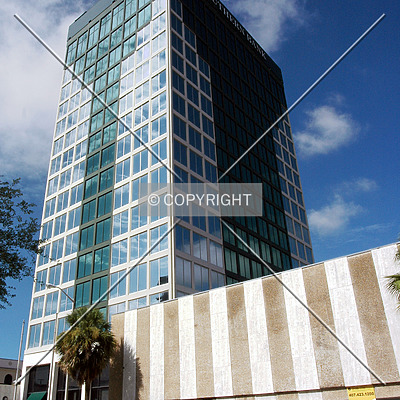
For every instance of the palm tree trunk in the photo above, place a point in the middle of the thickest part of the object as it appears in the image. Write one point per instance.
(86, 390)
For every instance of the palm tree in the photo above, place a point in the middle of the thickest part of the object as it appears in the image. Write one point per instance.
(86, 350)
(393, 283)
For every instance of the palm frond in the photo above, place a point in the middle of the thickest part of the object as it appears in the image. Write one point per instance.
(393, 286)
(86, 350)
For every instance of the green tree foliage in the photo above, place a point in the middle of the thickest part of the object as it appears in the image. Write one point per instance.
(393, 283)
(86, 350)
(18, 238)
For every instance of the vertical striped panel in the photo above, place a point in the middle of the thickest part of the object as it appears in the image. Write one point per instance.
(238, 340)
(305, 370)
(372, 318)
(260, 362)
(310, 396)
(385, 266)
(326, 347)
(335, 394)
(129, 372)
(143, 354)
(220, 343)
(278, 336)
(291, 396)
(204, 356)
(157, 352)
(187, 357)
(117, 361)
(171, 351)
(347, 323)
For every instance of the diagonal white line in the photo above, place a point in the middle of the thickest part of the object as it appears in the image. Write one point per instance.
(19, 380)
(307, 92)
(309, 309)
(92, 92)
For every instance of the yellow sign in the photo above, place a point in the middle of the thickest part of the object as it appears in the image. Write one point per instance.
(365, 393)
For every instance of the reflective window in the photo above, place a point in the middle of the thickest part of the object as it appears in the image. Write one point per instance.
(183, 272)
(100, 286)
(120, 223)
(69, 271)
(155, 236)
(138, 278)
(199, 246)
(142, 92)
(48, 333)
(87, 237)
(37, 307)
(130, 26)
(180, 152)
(101, 259)
(66, 303)
(201, 282)
(159, 298)
(105, 25)
(103, 231)
(140, 161)
(59, 224)
(216, 254)
(138, 245)
(91, 187)
(34, 335)
(106, 179)
(159, 42)
(142, 114)
(196, 163)
(57, 249)
(108, 155)
(82, 294)
(160, 149)
(139, 216)
(55, 274)
(120, 288)
(159, 127)
(144, 16)
(124, 146)
(85, 265)
(137, 303)
(88, 211)
(51, 303)
(158, 61)
(159, 272)
(143, 54)
(182, 239)
(41, 277)
(143, 135)
(123, 170)
(121, 196)
(139, 187)
(159, 103)
(119, 253)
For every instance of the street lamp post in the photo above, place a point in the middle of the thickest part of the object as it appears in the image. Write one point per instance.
(52, 367)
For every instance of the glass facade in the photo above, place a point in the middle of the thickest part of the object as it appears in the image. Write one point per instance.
(171, 86)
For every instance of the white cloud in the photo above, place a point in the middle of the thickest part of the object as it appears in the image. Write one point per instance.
(268, 20)
(327, 130)
(31, 80)
(333, 217)
(362, 185)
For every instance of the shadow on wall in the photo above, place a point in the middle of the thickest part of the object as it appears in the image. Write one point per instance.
(124, 355)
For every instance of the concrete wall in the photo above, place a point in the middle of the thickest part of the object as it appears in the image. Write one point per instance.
(7, 367)
(8, 391)
(256, 338)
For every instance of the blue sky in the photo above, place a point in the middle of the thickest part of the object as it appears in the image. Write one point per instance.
(347, 130)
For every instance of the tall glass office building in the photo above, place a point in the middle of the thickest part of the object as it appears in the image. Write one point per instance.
(187, 90)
